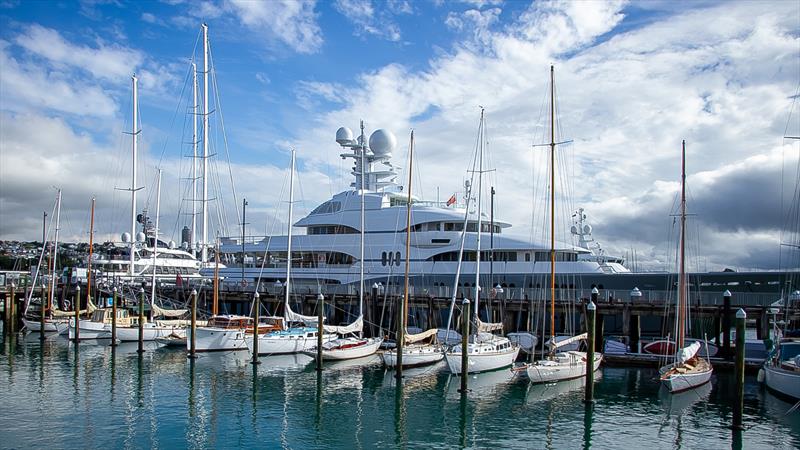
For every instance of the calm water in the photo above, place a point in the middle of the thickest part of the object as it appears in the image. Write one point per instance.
(53, 396)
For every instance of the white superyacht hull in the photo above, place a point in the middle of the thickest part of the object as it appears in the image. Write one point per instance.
(413, 356)
(480, 361)
(209, 339)
(566, 366)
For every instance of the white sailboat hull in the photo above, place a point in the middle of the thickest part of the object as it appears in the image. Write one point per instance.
(90, 330)
(567, 366)
(211, 339)
(347, 348)
(275, 344)
(50, 326)
(482, 361)
(150, 332)
(782, 381)
(414, 356)
(680, 382)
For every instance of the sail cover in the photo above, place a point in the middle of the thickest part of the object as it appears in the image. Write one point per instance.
(488, 326)
(292, 316)
(89, 309)
(568, 340)
(411, 338)
(159, 311)
(354, 327)
(687, 353)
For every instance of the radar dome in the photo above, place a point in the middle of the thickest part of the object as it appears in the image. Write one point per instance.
(172, 245)
(344, 135)
(140, 237)
(587, 229)
(126, 237)
(382, 142)
(574, 229)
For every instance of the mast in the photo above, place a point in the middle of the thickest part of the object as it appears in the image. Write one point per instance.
(682, 273)
(195, 107)
(55, 249)
(401, 330)
(89, 264)
(203, 249)
(361, 245)
(289, 234)
(135, 134)
(155, 244)
(215, 304)
(491, 238)
(552, 210)
(478, 245)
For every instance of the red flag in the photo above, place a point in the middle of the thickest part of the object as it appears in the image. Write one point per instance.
(451, 200)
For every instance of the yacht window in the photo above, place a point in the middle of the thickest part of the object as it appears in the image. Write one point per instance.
(390, 259)
(397, 258)
(383, 258)
(527, 257)
(327, 208)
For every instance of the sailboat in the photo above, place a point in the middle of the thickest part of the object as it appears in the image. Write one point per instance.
(417, 353)
(485, 351)
(570, 364)
(352, 344)
(687, 370)
(289, 339)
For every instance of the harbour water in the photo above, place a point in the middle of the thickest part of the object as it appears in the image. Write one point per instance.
(55, 397)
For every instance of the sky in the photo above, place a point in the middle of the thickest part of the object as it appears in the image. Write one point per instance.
(632, 81)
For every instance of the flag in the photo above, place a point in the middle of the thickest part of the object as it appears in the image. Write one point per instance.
(451, 200)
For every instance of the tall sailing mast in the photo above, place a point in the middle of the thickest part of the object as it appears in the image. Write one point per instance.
(289, 234)
(478, 244)
(682, 271)
(204, 240)
(552, 211)
(135, 136)
(55, 251)
(361, 245)
(401, 329)
(195, 107)
(155, 244)
(89, 262)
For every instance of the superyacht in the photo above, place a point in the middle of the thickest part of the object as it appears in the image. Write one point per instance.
(327, 255)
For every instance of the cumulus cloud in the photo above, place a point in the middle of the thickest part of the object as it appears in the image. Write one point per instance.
(292, 22)
(370, 21)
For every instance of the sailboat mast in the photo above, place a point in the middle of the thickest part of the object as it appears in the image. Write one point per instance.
(89, 263)
(289, 236)
(363, 191)
(478, 244)
(552, 206)
(682, 273)
(55, 250)
(203, 249)
(155, 244)
(401, 329)
(135, 135)
(215, 304)
(195, 107)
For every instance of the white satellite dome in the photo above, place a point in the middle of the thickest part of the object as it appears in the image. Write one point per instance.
(587, 229)
(171, 245)
(344, 135)
(382, 142)
(573, 229)
(126, 237)
(140, 237)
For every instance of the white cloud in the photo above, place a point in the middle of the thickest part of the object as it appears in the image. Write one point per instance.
(369, 21)
(292, 22)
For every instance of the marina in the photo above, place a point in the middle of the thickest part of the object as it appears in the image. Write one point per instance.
(384, 241)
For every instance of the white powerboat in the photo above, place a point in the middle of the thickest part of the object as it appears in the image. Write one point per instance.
(782, 370)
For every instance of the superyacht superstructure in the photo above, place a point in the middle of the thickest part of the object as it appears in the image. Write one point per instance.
(328, 253)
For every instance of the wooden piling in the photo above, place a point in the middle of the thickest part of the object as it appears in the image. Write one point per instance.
(738, 405)
(14, 319)
(256, 309)
(320, 328)
(114, 319)
(726, 325)
(141, 321)
(465, 315)
(6, 314)
(193, 338)
(590, 330)
(76, 305)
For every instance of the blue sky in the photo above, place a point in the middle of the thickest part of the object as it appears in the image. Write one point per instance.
(633, 80)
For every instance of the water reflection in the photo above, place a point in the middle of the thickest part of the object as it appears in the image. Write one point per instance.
(400, 416)
(588, 412)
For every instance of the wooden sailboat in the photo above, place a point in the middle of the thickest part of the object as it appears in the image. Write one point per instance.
(417, 352)
(352, 344)
(285, 339)
(688, 370)
(565, 365)
(485, 350)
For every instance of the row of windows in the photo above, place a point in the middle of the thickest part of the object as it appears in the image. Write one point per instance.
(388, 259)
(503, 256)
(331, 229)
(327, 208)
